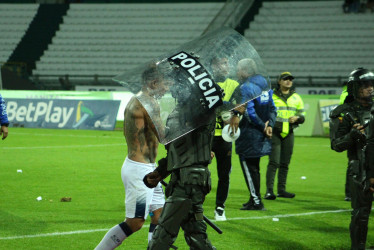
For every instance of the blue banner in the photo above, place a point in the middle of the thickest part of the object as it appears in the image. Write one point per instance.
(65, 114)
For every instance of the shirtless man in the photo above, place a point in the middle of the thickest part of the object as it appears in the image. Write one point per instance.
(142, 131)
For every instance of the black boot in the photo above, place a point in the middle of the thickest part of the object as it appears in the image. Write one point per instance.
(285, 194)
(247, 203)
(270, 195)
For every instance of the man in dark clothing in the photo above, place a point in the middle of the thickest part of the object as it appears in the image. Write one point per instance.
(350, 136)
(221, 148)
(187, 161)
(336, 117)
(254, 140)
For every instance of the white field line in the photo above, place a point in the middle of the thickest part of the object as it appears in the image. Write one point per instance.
(238, 218)
(53, 234)
(76, 136)
(289, 215)
(95, 145)
(67, 146)
(314, 145)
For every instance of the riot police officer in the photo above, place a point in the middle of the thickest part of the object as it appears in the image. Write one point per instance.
(351, 136)
(187, 161)
(336, 116)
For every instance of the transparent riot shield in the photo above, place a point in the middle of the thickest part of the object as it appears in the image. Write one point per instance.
(186, 87)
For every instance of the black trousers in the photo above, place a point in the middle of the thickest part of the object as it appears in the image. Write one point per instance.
(280, 158)
(251, 172)
(222, 150)
(348, 181)
(361, 204)
(184, 209)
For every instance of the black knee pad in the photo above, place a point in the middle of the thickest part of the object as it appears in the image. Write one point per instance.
(161, 239)
(173, 213)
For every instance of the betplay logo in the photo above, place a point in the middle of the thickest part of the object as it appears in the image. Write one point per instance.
(82, 114)
(39, 110)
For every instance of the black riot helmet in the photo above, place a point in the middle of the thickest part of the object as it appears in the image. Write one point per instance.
(359, 78)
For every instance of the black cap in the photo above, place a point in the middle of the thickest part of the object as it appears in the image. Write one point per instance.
(285, 75)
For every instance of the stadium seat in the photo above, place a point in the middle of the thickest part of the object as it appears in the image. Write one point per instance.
(14, 21)
(97, 38)
(312, 37)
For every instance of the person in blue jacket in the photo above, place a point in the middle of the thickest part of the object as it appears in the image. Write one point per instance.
(254, 140)
(3, 119)
(246, 72)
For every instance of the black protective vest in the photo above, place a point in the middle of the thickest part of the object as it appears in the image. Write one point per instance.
(193, 148)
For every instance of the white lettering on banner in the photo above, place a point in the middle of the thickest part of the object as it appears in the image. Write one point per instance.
(66, 116)
(31, 113)
(55, 117)
(20, 113)
(11, 110)
(198, 73)
(48, 112)
(41, 109)
(30, 109)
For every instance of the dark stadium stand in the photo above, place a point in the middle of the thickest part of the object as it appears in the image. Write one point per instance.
(105, 40)
(90, 42)
(39, 35)
(312, 39)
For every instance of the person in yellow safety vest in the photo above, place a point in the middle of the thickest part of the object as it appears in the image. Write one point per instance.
(221, 148)
(290, 113)
(344, 94)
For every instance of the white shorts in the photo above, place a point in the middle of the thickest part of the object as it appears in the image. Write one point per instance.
(140, 200)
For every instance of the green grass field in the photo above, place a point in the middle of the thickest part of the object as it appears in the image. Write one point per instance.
(86, 166)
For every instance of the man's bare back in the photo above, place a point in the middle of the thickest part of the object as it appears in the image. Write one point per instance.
(140, 134)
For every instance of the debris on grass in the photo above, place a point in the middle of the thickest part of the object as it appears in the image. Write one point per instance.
(65, 199)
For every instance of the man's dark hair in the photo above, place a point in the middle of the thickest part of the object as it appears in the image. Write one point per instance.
(151, 73)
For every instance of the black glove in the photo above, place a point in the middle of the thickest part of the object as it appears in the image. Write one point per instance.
(356, 135)
(152, 179)
(366, 185)
(162, 168)
(162, 163)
